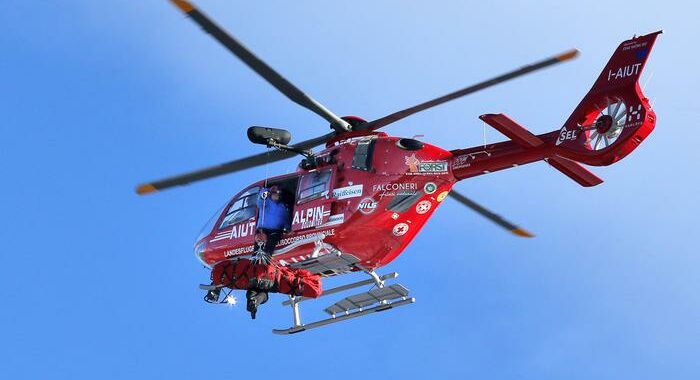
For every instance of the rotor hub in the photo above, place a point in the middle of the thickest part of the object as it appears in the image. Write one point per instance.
(603, 124)
(356, 123)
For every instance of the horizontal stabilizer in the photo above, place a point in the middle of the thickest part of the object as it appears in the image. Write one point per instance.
(512, 130)
(575, 171)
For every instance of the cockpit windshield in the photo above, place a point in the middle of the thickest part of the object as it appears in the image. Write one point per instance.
(210, 224)
(242, 209)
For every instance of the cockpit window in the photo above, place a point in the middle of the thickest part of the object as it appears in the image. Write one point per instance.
(206, 230)
(242, 209)
(313, 185)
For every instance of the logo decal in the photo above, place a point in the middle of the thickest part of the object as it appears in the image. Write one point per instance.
(395, 186)
(333, 220)
(462, 161)
(634, 113)
(310, 217)
(429, 188)
(641, 54)
(442, 196)
(367, 206)
(400, 229)
(565, 135)
(347, 192)
(416, 166)
(237, 231)
(393, 189)
(248, 248)
(423, 206)
(632, 45)
(412, 163)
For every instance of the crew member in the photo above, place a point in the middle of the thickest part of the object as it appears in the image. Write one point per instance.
(273, 221)
(273, 217)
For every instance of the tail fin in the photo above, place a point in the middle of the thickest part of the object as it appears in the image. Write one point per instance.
(615, 116)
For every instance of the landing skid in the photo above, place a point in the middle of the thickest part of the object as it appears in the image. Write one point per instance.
(361, 312)
(326, 260)
(378, 299)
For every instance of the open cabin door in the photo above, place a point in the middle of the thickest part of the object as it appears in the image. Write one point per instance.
(313, 200)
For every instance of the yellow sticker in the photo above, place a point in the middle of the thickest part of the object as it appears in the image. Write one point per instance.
(442, 196)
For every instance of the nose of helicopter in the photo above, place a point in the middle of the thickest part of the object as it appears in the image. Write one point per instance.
(199, 250)
(200, 244)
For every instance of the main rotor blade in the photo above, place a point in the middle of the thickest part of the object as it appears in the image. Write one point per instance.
(489, 215)
(396, 116)
(230, 167)
(260, 67)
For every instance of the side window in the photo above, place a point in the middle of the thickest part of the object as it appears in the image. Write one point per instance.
(313, 185)
(242, 209)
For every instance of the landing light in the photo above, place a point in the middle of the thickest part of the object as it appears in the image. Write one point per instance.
(231, 300)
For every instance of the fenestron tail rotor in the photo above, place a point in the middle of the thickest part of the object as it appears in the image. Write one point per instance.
(608, 125)
(483, 211)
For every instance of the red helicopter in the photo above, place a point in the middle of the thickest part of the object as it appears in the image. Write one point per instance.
(359, 202)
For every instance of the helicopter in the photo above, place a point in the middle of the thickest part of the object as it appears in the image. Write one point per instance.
(357, 204)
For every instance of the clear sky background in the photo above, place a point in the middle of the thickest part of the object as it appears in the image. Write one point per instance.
(97, 96)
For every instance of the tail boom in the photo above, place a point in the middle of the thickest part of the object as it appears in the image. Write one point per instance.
(525, 149)
(489, 158)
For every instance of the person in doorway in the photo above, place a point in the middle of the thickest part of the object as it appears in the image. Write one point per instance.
(273, 221)
(273, 218)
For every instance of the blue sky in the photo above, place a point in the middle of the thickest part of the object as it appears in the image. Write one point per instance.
(99, 96)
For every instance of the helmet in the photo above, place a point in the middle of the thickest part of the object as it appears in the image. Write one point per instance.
(274, 189)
